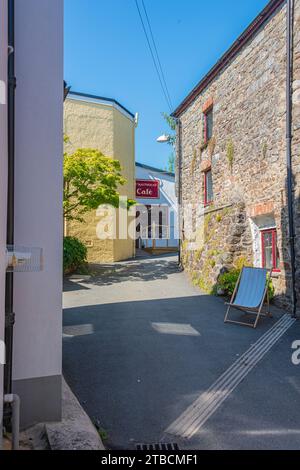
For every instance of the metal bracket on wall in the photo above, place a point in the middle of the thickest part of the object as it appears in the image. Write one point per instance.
(23, 259)
(12, 82)
(9, 319)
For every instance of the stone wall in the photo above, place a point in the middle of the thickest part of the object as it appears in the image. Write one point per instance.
(222, 240)
(247, 156)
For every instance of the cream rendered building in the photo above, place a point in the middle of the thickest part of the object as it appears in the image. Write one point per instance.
(104, 124)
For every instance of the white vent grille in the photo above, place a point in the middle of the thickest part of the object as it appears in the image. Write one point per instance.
(24, 259)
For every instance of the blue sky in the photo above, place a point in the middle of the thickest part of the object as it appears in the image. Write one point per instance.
(106, 53)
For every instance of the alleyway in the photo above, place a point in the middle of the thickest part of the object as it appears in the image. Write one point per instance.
(141, 345)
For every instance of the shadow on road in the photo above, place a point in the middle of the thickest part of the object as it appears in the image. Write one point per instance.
(150, 270)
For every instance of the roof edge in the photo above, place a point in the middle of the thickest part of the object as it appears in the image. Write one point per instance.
(101, 98)
(242, 40)
(157, 170)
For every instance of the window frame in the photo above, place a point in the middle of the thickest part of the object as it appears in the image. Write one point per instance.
(273, 231)
(206, 113)
(207, 202)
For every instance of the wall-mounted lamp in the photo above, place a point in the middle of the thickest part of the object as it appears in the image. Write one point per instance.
(164, 139)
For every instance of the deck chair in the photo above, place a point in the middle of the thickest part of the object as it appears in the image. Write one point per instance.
(249, 295)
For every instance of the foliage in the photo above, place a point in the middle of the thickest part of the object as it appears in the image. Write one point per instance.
(103, 434)
(264, 149)
(171, 163)
(211, 147)
(75, 254)
(172, 125)
(230, 153)
(271, 289)
(240, 262)
(90, 179)
(101, 431)
(227, 283)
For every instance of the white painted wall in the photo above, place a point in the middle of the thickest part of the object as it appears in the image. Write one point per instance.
(167, 197)
(3, 179)
(38, 183)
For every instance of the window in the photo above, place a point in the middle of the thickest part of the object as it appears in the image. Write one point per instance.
(270, 254)
(208, 188)
(152, 222)
(208, 125)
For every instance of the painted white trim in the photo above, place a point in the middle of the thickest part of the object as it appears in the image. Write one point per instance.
(110, 104)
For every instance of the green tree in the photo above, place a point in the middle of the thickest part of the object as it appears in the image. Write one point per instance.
(172, 141)
(90, 179)
(171, 163)
(172, 125)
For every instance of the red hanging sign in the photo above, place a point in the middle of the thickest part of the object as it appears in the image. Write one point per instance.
(147, 189)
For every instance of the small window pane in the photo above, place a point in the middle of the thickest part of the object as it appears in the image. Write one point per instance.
(209, 187)
(209, 125)
(267, 247)
(270, 250)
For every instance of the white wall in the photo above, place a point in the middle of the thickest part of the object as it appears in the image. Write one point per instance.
(38, 187)
(167, 197)
(3, 180)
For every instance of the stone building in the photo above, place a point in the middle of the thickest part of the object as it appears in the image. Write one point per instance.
(232, 166)
(104, 124)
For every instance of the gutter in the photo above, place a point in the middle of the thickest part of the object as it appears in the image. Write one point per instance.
(76, 94)
(289, 137)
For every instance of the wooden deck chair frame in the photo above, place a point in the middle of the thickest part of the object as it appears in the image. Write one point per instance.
(251, 311)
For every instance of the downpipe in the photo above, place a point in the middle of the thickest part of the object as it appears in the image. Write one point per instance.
(11, 411)
(289, 137)
(14, 402)
(179, 175)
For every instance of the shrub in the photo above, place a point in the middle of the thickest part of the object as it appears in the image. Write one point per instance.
(75, 254)
(227, 283)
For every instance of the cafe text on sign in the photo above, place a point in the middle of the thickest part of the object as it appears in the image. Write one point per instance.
(147, 189)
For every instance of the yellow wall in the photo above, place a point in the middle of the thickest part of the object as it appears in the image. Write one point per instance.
(102, 126)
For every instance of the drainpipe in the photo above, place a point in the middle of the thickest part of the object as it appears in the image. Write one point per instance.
(289, 136)
(179, 153)
(9, 313)
(13, 401)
